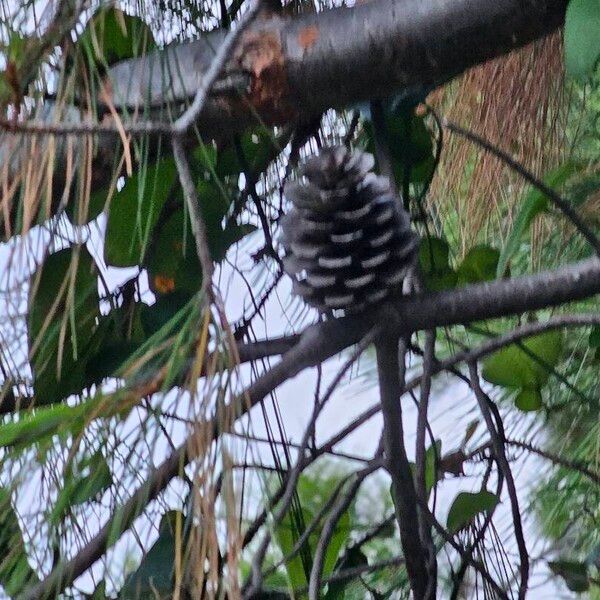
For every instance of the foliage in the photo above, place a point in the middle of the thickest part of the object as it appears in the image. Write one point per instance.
(112, 357)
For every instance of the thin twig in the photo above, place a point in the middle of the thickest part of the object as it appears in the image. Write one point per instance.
(420, 460)
(497, 439)
(314, 584)
(572, 465)
(189, 117)
(197, 221)
(255, 583)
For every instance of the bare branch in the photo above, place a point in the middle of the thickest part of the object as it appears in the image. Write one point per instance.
(420, 466)
(314, 585)
(497, 439)
(197, 221)
(390, 370)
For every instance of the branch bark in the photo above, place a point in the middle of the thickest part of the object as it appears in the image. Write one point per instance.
(289, 69)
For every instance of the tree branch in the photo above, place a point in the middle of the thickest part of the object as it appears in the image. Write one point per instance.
(286, 70)
(391, 388)
(319, 342)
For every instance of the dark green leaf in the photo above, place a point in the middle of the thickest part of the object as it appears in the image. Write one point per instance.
(63, 309)
(582, 41)
(435, 266)
(479, 264)
(467, 506)
(112, 35)
(432, 475)
(257, 147)
(594, 339)
(134, 212)
(529, 400)
(409, 141)
(534, 203)
(155, 573)
(157, 315)
(173, 265)
(574, 573)
(354, 558)
(15, 572)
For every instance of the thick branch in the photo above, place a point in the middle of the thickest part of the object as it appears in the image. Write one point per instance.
(289, 69)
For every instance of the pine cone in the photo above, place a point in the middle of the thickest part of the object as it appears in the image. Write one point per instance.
(347, 242)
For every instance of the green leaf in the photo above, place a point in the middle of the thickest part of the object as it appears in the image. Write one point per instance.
(312, 492)
(466, 506)
(32, 428)
(535, 202)
(479, 264)
(409, 141)
(173, 265)
(529, 400)
(432, 475)
(134, 212)
(594, 339)
(435, 267)
(354, 558)
(63, 309)
(257, 147)
(581, 39)
(112, 35)
(514, 368)
(155, 316)
(83, 482)
(575, 574)
(155, 573)
(15, 572)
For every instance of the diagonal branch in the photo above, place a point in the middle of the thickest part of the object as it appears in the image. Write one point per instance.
(322, 341)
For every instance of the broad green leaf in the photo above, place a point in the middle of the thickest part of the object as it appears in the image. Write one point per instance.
(118, 335)
(534, 203)
(173, 265)
(466, 506)
(134, 212)
(409, 141)
(479, 264)
(435, 266)
(313, 491)
(514, 368)
(581, 39)
(79, 214)
(529, 400)
(112, 35)
(257, 147)
(63, 309)
(157, 315)
(432, 475)
(15, 572)
(575, 574)
(155, 572)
